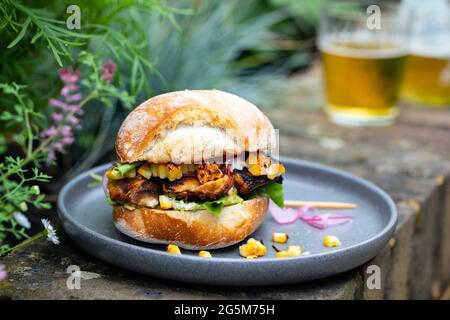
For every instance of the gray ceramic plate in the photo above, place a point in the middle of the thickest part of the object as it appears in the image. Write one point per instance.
(86, 217)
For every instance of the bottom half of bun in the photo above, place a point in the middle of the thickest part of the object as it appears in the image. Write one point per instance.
(193, 230)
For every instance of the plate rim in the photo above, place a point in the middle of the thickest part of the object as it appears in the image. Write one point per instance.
(388, 229)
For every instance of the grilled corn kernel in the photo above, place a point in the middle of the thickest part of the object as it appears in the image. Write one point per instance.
(258, 158)
(204, 254)
(162, 171)
(252, 158)
(255, 170)
(174, 172)
(252, 248)
(294, 251)
(331, 241)
(145, 171)
(243, 251)
(165, 202)
(154, 170)
(264, 161)
(275, 170)
(171, 248)
(131, 173)
(281, 254)
(259, 164)
(113, 174)
(279, 237)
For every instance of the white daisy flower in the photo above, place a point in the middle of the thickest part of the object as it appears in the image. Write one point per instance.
(21, 219)
(51, 232)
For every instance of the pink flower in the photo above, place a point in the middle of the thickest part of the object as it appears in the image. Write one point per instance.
(67, 140)
(3, 273)
(61, 131)
(108, 70)
(68, 88)
(66, 131)
(50, 132)
(73, 120)
(74, 97)
(59, 104)
(68, 75)
(75, 109)
(57, 117)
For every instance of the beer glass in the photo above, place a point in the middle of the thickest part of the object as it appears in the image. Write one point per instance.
(427, 71)
(363, 49)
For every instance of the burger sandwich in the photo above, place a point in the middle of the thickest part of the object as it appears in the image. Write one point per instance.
(195, 168)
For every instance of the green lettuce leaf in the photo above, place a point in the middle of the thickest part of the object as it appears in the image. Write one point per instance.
(231, 199)
(181, 205)
(275, 192)
(214, 207)
(123, 168)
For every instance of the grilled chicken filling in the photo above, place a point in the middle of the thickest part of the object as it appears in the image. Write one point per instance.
(191, 189)
(137, 191)
(246, 183)
(208, 182)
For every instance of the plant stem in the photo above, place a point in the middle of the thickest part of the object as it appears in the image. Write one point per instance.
(37, 236)
(29, 149)
(29, 133)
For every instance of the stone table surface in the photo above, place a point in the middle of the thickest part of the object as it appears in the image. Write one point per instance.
(410, 160)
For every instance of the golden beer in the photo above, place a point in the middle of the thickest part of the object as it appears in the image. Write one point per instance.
(363, 48)
(362, 80)
(427, 79)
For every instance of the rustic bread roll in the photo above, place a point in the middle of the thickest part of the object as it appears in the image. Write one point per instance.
(193, 230)
(193, 125)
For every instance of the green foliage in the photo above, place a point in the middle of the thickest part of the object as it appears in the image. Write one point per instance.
(305, 14)
(19, 117)
(27, 34)
(106, 93)
(37, 24)
(19, 176)
(18, 184)
(15, 194)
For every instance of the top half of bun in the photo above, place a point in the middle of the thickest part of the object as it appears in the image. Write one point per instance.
(193, 125)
